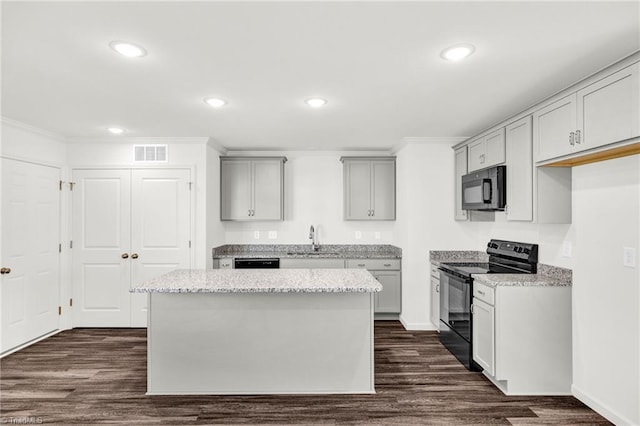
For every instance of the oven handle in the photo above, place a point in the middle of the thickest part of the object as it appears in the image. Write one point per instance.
(455, 276)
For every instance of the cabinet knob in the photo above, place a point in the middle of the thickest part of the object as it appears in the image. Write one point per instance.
(124, 255)
(5, 271)
(134, 256)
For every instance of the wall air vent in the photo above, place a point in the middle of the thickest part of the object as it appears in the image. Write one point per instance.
(150, 154)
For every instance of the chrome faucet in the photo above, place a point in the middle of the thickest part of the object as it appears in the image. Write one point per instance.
(314, 239)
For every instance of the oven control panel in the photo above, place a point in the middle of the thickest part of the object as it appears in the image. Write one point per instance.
(524, 251)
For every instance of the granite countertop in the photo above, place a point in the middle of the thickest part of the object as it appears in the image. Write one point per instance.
(262, 281)
(303, 251)
(547, 276)
(456, 256)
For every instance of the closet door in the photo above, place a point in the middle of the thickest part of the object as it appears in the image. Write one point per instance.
(101, 215)
(160, 229)
(29, 286)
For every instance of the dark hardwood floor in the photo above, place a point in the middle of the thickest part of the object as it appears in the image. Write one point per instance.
(98, 376)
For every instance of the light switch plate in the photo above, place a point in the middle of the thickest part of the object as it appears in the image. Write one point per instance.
(358, 235)
(566, 248)
(629, 257)
(273, 235)
(256, 235)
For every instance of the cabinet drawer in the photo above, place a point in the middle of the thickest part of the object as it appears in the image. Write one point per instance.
(483, 292)
(286, 263)
(226, 263)
(435, 273)
(374, 264)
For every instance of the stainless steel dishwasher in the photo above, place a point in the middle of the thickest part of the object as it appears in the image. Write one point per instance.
(257, 263)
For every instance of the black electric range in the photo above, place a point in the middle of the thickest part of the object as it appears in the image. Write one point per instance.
(456, 292)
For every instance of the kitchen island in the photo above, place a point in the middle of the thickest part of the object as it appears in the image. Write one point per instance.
(260, 331)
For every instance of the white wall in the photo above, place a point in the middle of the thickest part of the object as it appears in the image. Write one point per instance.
(181, 154)
(215, 233)
(606, 294)
(313, 195)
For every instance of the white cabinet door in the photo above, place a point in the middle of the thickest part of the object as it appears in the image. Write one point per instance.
(235, 190)
(476, 155)
(484, 337)
(30, 237)
(101, 215)
(389, 299)
(435, 302)
(460, 170)
(357, 189)
(383, 190)
(160, 217)
(519, 170)
(494, 148)
(553, 127)
(267, 190)
(608, 110)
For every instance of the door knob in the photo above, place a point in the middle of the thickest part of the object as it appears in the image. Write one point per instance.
(5, 271)
(124, 255)
(134, 256)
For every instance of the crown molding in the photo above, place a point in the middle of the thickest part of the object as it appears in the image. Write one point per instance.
(32, 129)
(215, 144)
(432, 140)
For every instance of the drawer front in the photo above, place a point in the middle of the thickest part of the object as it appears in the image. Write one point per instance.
(375, 264)
(484, 293)
(286, 263)
(226, 263)
(435, 273)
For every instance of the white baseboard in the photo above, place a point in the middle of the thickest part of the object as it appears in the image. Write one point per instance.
(418, 326)
(601, 408)
(29, 343)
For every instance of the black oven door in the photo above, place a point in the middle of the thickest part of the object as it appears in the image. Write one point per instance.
(455, 305)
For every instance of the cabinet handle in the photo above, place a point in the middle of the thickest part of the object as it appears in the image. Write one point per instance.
(5, 271)
(571, 138)
(472, 308)
(124, 255)
(577, 136)
(134, 256)
(361, 265)
(373, 212)
(481, 158)
(437, 288)
(481, 292)
(387, 264)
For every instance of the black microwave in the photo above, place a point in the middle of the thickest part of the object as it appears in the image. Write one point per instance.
(485, 189)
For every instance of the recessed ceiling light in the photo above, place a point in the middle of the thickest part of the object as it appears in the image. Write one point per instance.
(215, 102)
(127, 49)
(116, 130)
(457, 52)
(316, 102)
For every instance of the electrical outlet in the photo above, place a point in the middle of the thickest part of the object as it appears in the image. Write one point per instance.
(629, 257)
(376, 235)
(358, 235)
(256, 235)
(566, 248)
(273, 235)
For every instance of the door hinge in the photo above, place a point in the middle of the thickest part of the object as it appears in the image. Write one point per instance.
(60, 248)
(70, 302)
(59, 310)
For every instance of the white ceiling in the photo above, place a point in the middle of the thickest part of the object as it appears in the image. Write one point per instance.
(377, 63)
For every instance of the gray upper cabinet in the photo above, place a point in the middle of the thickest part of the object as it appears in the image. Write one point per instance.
(252, 188)
(487, 151)
(519, 152)
(369, 188)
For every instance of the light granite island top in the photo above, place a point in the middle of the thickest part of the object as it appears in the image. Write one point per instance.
(262, 281)
(268, 331)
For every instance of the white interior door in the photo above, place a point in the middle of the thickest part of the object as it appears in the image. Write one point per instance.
(29, 293)
(160, 231)
(101, 215)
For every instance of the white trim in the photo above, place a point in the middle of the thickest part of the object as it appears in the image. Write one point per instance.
(417, 326)
(600, 408)
(213, 143)
(31, 342)
(33, 129)
(432, 140)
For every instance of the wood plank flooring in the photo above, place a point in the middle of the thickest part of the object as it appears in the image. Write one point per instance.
(98, 376)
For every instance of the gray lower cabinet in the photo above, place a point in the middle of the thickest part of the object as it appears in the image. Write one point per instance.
(252, 188)
(287, 263)
(387, 272)
(369, 188)
(435, 296)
